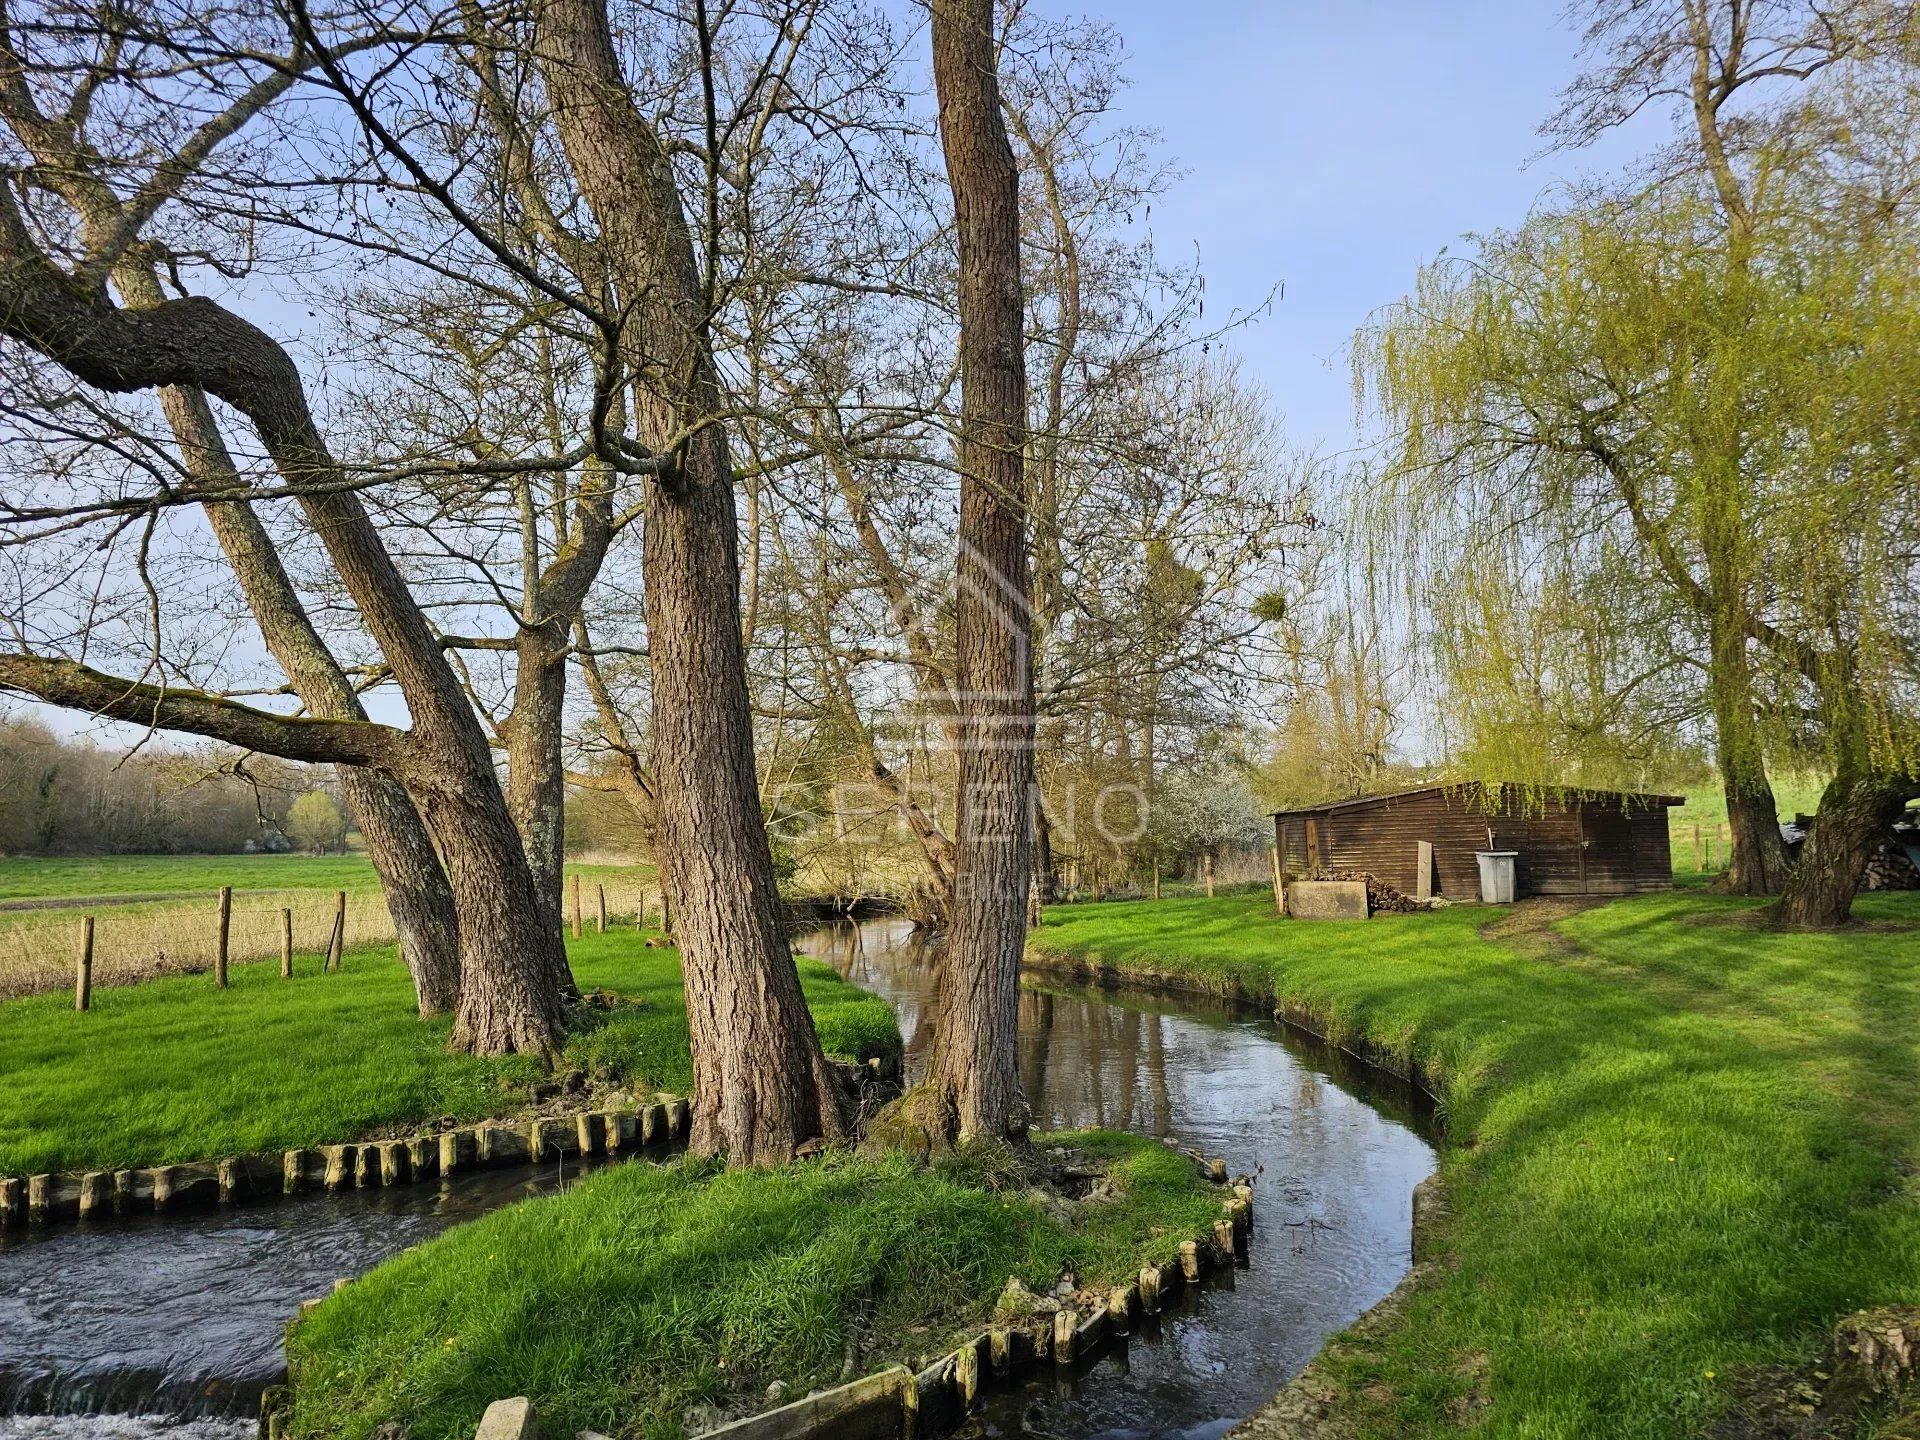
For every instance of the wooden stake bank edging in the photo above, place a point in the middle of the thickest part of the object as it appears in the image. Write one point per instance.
(897, 1404)
(368, 1164)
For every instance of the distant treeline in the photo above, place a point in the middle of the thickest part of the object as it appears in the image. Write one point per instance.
(72, 797)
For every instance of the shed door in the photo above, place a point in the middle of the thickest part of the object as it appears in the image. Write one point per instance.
(1607, 835)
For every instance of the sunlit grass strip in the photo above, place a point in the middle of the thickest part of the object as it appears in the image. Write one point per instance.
(647, 1290)
(175, 1071)
(1682, 1145)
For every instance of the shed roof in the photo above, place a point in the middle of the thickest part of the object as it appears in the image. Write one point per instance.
(1560, 791)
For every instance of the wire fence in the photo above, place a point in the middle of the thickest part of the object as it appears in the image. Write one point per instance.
(145, 938)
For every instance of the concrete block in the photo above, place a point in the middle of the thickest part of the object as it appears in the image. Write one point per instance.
(509, 1420)
(1327, 900)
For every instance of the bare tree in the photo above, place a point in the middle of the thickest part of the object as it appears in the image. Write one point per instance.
(511, 968)
(975, 1067)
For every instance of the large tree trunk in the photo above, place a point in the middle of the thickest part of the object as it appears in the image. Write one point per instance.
(536, 774)
(418, 897)
(508, 996)
(975, 1069)
(761, 1084)
(1757, 856)
(1856, 809)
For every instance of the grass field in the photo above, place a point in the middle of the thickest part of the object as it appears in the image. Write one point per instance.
(176, 1070)
(646, 1290)
(157, 915)
(1706, 808)
(1681, 1145)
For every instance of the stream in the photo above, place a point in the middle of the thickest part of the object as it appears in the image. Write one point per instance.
(171, 1326)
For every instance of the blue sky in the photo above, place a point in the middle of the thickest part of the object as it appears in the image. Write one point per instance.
(1333, 148)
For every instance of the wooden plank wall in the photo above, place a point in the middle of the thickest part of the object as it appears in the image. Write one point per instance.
(1564, 849)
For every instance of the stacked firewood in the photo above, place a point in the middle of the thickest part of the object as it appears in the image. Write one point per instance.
(1380, 895)
(1888, 868)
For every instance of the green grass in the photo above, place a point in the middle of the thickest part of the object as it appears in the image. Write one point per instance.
(1681, 1146)
(33, 877)
(175, 1070)
(646, 1290)
(24, 877)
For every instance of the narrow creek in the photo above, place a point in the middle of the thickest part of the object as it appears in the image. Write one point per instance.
(173, 1325)
(1337, 1148)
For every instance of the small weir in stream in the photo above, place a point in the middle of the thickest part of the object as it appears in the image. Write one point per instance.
(175, 1322)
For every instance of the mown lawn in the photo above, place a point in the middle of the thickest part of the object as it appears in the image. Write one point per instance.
(175, 1070)
(649, 1289)
(1680, 1145)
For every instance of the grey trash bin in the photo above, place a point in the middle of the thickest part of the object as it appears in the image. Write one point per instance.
(1497, 875)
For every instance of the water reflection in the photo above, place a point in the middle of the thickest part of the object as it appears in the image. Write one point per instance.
(1337, 1149)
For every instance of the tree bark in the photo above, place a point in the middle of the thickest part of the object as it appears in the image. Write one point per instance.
(975, 1070)
(536, 773)
(1757, 855)
(418, 896)
(1855, 812)
(415, 886)
(761, 1085)
(509, 999)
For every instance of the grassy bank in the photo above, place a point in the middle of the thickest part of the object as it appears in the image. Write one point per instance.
(176, 1070)
(647, 1290)
(1681, 1146)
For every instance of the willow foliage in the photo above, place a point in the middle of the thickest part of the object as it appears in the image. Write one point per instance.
(1612, 430)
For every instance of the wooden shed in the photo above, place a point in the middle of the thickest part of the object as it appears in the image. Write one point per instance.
(1569, 842)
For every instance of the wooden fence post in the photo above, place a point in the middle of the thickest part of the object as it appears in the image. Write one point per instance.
(286, 944)
(337, 942)
(603, 908)
(576, 904)
(1698, 865)
(226, 923)
(1206, 866)
(83, 972)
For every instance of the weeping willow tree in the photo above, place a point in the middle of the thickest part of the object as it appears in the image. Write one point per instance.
(1641, 471)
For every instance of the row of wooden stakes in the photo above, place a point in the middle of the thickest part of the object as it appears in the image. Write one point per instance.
(95, 1194)
(336, 946)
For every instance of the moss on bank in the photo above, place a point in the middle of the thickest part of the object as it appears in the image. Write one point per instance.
(1682, 1145)
(174, 1070)
(647, 1290)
